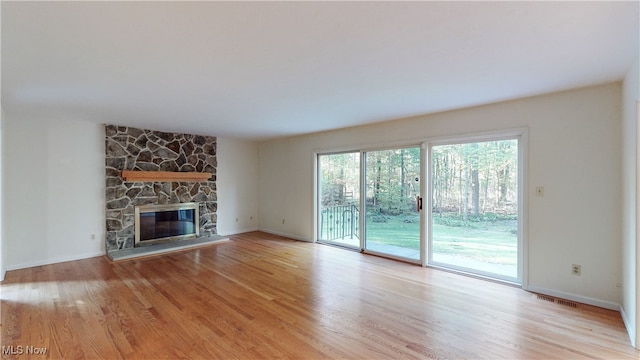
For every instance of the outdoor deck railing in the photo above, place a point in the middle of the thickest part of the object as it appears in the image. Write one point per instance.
(339, 222)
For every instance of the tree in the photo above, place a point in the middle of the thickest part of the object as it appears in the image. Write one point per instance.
(475, 178)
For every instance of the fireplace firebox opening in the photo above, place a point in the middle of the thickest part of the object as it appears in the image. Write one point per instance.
(163, 223)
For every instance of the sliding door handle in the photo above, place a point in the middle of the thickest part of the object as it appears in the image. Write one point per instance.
(418, 203)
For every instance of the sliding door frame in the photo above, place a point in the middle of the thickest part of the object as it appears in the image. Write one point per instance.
(520, 134)
(426, 190)
(362, 149)
(363, 228)
(316, 199)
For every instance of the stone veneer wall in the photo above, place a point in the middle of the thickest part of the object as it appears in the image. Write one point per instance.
(128, 148)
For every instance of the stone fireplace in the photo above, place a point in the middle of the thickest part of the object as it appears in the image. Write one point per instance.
(128, 148)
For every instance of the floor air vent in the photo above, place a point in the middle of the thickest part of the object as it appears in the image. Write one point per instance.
(567, 303)
(546, 298)
(557, 301)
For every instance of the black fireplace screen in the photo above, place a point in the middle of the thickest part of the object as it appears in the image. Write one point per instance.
(159, 223)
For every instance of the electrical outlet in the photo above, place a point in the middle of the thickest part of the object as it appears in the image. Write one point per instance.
(93, 236)
(576, 269)
(619, 285)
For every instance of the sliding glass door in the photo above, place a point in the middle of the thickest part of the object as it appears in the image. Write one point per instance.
(339, 199)
(371, 200)
(392, 216)
(386, 184)
(475, 207)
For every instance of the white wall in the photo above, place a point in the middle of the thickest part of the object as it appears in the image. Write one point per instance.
(54, 181)
(631, 93)
(3, 268)
(574, 152)
(237, 184)
(3, 263)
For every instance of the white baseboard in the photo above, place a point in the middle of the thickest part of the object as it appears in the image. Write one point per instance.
(54, 261)
(294, 237)
(577, 298)
(628, 324)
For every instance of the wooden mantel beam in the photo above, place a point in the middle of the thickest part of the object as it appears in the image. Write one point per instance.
(161, 176)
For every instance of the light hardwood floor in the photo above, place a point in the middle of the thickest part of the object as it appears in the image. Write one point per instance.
(261, 296)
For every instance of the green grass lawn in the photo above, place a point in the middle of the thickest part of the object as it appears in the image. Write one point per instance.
(486, 241)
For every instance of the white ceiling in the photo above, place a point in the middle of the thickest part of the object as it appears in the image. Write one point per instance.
(266, 69)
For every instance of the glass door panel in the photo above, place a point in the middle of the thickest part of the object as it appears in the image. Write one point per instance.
(474, 216)
(392, 220)
(339, 199)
